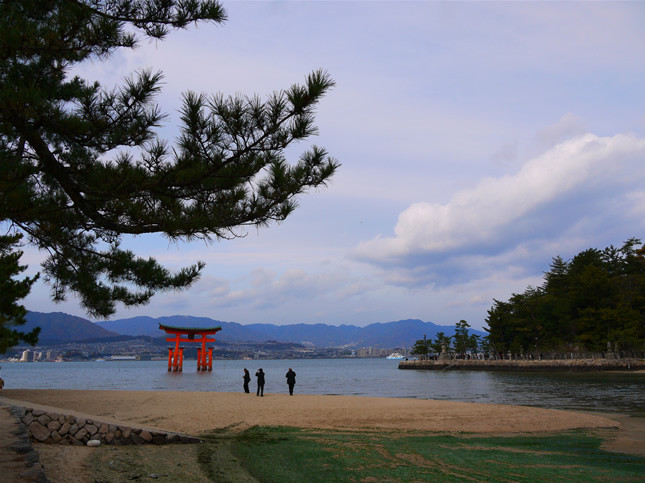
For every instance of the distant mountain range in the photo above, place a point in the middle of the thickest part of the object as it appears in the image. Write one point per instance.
(59, 328)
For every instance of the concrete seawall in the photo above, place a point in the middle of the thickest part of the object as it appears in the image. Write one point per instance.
(524, 365)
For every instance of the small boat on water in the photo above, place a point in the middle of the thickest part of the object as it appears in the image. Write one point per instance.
(395, 355)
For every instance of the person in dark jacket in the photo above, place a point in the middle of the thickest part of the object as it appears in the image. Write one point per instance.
(246, 378)
(260, 376)
(291, 380)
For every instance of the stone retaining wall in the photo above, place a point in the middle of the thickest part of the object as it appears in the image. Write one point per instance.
(54, 428)
(23, 450)
(523, 365)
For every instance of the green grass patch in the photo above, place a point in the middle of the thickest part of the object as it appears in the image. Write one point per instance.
(289, 454)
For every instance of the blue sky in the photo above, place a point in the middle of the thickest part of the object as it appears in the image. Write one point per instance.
(478, 140)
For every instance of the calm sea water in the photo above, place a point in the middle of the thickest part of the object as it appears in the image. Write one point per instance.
(610, 392)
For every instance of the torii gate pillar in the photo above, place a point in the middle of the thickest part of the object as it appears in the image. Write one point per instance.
(192, 335)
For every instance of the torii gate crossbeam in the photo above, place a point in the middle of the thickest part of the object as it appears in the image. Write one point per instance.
(191, 335)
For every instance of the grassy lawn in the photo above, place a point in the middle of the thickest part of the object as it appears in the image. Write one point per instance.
(279, 454)
(290, 454)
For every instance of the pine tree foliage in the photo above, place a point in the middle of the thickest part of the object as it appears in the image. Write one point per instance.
(82, 166)
(596, 298)
(420, 348)
(440, 342)
(12, 314)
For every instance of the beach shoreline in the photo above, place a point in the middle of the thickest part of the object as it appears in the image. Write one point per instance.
(199, 413)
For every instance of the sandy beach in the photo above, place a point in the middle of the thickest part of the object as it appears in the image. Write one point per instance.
(197, 412)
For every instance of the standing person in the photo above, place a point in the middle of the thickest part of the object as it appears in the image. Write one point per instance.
(260, 376)
(291, 380)
(247, 378)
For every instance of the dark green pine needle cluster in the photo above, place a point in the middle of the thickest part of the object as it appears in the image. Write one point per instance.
(594, 302)
(81, 166)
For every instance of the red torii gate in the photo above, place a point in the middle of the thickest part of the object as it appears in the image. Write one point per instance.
(176, 354)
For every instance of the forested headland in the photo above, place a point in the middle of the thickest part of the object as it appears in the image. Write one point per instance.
(593, 303)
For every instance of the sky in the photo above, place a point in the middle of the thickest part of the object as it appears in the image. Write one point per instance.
(478, 141)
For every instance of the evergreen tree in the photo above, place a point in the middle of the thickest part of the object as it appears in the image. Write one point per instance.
(597, 297)
(82, 166)
(420, 348)
(461, 338)
(441, 340)
(474, 343)
(13, 314)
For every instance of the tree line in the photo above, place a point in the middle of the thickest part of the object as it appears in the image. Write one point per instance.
(594, 302)
(461, 344)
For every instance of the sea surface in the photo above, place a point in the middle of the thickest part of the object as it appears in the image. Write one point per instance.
(598, 391)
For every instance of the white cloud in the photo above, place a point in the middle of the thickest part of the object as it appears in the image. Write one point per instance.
(499, 208)
(437, 108)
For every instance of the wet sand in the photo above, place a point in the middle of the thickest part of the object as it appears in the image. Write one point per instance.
(197, 412)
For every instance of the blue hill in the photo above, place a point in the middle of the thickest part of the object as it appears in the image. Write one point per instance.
(59, 327)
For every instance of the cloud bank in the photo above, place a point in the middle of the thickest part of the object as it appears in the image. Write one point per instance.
(492, 221)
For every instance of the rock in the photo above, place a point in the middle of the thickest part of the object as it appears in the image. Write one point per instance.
(56, 428)
(53, 425)
(32, 459)
(64, 429)
(158, 438)
(38, 431)
(172, 438)
(122, 441)
(189, 439)
(27, 419)
(35, 473)
(54, 438)
(82, 434)
(19, 411)
(43, 419)
(22, 446)
(136, 439)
